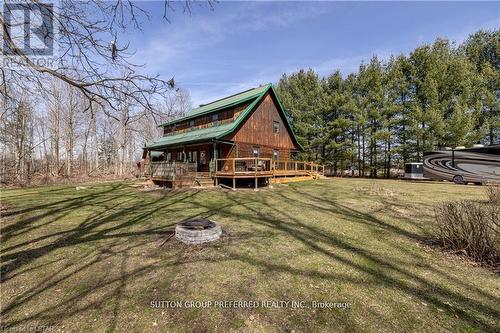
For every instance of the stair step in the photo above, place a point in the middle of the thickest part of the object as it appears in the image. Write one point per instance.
(205, 182)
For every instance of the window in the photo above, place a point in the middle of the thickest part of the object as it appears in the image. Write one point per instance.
(276, 127)
(215, 117)
(179, 156)
(256, 151)
(169, 157)
(276, 154)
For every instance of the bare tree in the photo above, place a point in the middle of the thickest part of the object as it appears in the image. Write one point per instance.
(91, 58)
(91, 100)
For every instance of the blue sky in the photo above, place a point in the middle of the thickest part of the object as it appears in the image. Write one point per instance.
(239, 45)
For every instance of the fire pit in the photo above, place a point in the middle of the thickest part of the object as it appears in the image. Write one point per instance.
(197, 231)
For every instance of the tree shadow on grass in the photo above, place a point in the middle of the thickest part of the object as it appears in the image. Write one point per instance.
(124, 229)
(321, 241)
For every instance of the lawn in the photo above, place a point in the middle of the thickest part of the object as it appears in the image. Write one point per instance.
(91, 260)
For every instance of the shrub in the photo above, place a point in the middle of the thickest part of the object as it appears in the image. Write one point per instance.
(493, 193)
(471, 228)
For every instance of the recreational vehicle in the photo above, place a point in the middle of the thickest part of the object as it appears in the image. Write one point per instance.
(479, 164)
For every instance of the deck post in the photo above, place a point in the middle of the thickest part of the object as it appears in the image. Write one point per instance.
(256, 183)
(234, 182)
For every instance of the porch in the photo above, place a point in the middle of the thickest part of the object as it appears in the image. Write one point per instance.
(173, 174)
(255, 169)
(274, 171)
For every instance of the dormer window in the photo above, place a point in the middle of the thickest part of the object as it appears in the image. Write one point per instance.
(215, 117)
(191, 123)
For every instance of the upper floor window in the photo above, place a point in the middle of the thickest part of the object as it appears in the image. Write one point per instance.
(256, 151)
(191, 123)
(215, 117)
(276, 127)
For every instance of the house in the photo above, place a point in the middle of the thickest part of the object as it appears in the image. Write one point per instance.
(243, 136)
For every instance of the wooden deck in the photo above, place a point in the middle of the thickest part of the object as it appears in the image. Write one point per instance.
(275, 170)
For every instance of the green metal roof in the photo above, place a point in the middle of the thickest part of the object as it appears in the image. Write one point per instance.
(155, 153)
(191, 136)
(223, 103)
(220, 131)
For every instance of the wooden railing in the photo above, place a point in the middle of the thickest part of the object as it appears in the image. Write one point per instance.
(296, 167)
(248, 166)
(245, 166)
(171, 170)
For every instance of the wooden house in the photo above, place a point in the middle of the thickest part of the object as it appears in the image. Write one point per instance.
(243, 136)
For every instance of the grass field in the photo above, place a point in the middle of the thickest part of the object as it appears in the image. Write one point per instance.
(90, 260)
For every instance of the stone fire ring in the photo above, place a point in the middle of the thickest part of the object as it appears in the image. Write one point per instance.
(197, 231)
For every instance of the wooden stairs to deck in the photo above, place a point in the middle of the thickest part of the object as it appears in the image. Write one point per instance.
(203, 179)
(296, 178)
(282, 180)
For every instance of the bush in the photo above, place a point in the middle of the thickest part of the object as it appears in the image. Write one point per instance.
(471, 228)
(493, 193)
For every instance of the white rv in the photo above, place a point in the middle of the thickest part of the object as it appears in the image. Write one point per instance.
(479, 164)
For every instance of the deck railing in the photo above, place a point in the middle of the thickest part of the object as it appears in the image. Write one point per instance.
(243, 166)
(234, 167)
(171, 170)
(264, 167)
(288, 167)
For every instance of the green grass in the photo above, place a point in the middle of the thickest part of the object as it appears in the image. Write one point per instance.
(91, 261)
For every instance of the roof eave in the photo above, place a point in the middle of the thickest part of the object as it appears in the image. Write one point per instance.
(294, 136)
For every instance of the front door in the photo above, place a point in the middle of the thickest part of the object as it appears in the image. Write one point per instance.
(202, 162)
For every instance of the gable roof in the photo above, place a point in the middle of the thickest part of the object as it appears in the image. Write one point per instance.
(220, 104)
(220, 131)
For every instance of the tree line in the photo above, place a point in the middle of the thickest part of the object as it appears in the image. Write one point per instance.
(54, 135)
(87, 109)
(390, 112)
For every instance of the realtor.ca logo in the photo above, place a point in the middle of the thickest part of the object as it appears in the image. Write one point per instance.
(28, 30)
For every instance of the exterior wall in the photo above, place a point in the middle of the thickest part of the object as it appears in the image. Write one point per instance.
(246, 150)
(224, 116)
(207, 150)
(258, 131)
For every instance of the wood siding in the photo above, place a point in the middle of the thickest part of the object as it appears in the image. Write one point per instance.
(246, 150)
(258, 130)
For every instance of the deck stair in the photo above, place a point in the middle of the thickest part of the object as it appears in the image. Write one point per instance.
(203, 179)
